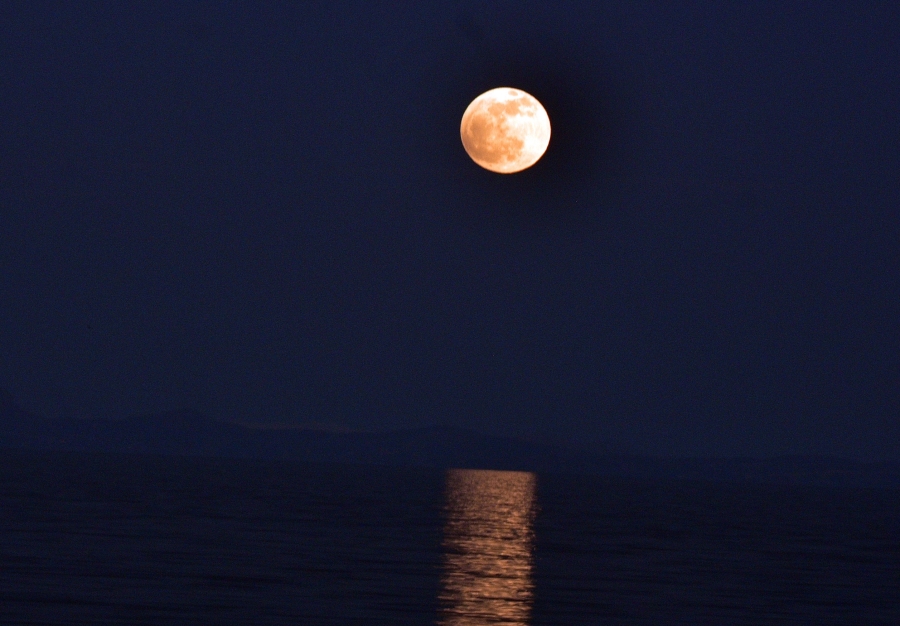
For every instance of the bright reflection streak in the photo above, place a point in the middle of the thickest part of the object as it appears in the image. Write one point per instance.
(488, 542)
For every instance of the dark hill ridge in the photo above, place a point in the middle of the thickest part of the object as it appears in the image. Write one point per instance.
(186, 433)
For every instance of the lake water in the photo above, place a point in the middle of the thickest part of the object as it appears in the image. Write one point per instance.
(117, 540)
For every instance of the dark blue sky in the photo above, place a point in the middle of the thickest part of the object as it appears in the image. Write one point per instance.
(263, 211)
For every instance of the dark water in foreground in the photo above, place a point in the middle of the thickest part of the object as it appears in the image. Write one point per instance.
(106, 540)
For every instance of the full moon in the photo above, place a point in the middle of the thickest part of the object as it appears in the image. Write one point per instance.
(505, 130)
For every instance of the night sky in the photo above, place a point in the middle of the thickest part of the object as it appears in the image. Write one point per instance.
(262, 211)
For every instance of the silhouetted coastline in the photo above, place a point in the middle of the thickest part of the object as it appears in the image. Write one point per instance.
(192, 434)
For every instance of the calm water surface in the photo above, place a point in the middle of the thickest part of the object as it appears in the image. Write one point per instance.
(112, 540)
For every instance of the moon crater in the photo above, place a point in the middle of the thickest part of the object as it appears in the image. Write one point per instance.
(505, 130)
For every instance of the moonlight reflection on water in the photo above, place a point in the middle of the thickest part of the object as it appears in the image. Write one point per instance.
(488, 544)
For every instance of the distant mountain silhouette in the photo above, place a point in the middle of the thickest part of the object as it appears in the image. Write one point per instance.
(186, 433)
(191, 434)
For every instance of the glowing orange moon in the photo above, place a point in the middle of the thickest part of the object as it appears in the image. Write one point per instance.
(505, 130)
